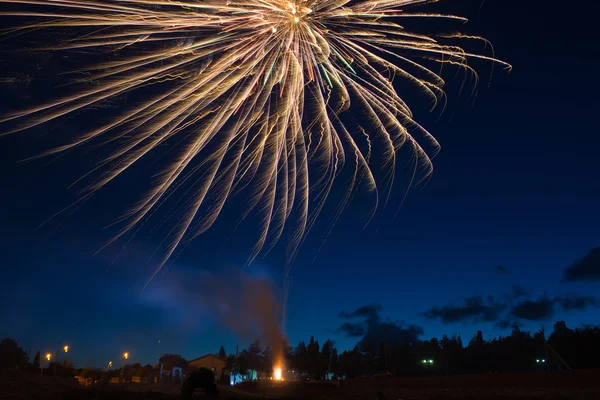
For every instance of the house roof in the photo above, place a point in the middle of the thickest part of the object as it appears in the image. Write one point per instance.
(208, 355)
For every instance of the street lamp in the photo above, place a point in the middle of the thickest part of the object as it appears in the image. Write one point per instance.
(109, 365)
(66, 350)
(48, 357)
(125, 357)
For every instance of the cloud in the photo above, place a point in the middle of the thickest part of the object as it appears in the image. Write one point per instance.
(534, 310)
(373, 330)
(545, 307)
(518, 306)
(370, 312)
(576, 303)
(501, 270)
(508, 323)
(586, 269)
(475, 309)
(518, 291)
(352, 330)
(393, 333)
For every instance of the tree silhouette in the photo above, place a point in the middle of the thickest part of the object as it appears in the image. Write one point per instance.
(452, 354)
(325, 359)
(301, 358)
(36, 360)
(403, 356)
(11, 355)
(334, 367)
(222, 352)
(172, 360)
(313, 357)
(351, 364)
(230, 363)
(241, 364)
(255, 356)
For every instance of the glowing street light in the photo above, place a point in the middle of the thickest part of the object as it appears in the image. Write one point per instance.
(48, 357)
(109, 365)
(66, 350)
(125, 357)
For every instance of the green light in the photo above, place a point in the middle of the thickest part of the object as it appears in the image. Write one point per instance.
(430, 361)
(424, 361)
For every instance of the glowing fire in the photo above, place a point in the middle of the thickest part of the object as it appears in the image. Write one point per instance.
(277, 373)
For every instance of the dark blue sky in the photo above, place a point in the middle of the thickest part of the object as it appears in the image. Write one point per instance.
(515, 185)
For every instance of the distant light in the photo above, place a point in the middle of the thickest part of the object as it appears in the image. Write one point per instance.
(48, 356)
(66, 348)
(543, 360)
(296, 19)
(126, 355)
(277, 373)
(273, 29)
(424, 361)
(430, 361)
(537, 361)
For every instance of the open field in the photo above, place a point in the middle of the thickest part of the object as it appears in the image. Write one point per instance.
(535, 385)
(565, 385)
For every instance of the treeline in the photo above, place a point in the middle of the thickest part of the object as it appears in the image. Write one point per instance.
(518, 352)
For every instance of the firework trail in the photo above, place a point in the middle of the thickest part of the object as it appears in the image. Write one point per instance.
(253, 93)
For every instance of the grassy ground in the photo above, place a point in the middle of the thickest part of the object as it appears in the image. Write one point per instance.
(575, 385)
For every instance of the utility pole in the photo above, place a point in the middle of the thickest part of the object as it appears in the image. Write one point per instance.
(557, 355)
(65, 349)
(48, 357)
(233, 369)
(125, 357)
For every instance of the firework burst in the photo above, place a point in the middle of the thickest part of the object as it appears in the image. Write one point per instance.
(253, 93)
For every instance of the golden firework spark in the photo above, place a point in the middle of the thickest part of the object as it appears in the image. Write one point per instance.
(254, 89)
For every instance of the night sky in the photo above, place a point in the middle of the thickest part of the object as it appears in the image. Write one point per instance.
(486, 243)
